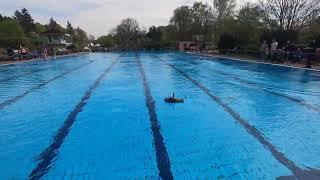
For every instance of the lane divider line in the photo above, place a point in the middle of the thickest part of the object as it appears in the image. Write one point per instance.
(18, 97)
(163, 160)
(47, 157)
(292, 99)
(297, 171)
(31, 72)
(24, 74)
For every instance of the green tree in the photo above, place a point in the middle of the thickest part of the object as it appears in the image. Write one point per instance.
(251, 18)
(80, 38)
(312, 32)
(291, 15)
(127, 33)
(155, 34)
(224, 11)
(11, 33)
(25, 19)
(4, 18)
(227, 41)
(107, 41)
(70, 29)
(53, 25)
(39, 28)
(182, 22)
(203, 19)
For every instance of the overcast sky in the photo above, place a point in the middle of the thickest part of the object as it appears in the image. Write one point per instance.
(98, 17)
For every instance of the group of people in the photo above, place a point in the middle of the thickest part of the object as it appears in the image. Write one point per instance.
(23, 53)
(289, 52)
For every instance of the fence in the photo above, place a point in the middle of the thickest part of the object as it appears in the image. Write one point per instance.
(304, 57)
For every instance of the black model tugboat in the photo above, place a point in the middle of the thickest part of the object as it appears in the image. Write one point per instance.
(173, 99)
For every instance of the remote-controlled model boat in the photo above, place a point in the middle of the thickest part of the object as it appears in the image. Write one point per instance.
(173, 100)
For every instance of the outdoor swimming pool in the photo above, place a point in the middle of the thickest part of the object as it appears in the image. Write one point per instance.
(99, 116)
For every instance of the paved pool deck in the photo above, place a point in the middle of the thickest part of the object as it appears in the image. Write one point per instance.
(4, 63)
(251, 59)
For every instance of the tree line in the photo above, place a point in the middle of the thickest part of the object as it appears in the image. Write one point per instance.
(222, 25)
(21, 29)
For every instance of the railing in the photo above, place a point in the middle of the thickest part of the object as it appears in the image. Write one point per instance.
(58, 42)
(285, 57)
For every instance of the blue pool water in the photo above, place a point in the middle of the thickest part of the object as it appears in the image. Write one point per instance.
(100, 116)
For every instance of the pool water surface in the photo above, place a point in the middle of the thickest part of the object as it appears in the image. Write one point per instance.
(100, 115)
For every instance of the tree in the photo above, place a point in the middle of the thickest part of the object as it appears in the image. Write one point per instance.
(80, 39)
(311, 33)
(251, 18)
(227, 41)
(39, 28)
(70, 29)
(155, 34)
(224, 8)
(127, 32)
(195, 20)
(53, 25)
(251, 15)
(4, 18)
(25, 19)
(11, 33)
(203, 19)
(21, 29)
(107, 41)
(182, 22)
(224, 11)
(291, 14)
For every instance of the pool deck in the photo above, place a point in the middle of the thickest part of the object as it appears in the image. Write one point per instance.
(254, 60)
(5, 63)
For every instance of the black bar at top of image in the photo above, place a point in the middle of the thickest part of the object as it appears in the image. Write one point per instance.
(298, 172)
(47, 157)
(18, 97)
(163, 161)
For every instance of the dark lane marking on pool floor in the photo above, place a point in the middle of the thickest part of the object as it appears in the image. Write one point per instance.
(297, 171)
(292, 99)
(31, 72)
(234, 61)
(258, 86)
(163, 161)
(49, 154)
(23, 74)
(18, 97)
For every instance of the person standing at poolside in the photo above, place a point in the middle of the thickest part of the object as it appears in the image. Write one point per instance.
(291, 50)
(45, 53)
(267, 52)
(310, 51)
(287, 50)
(54, 53)
(273, 49)
(298, 56)
(263, 49)
(281, 55)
